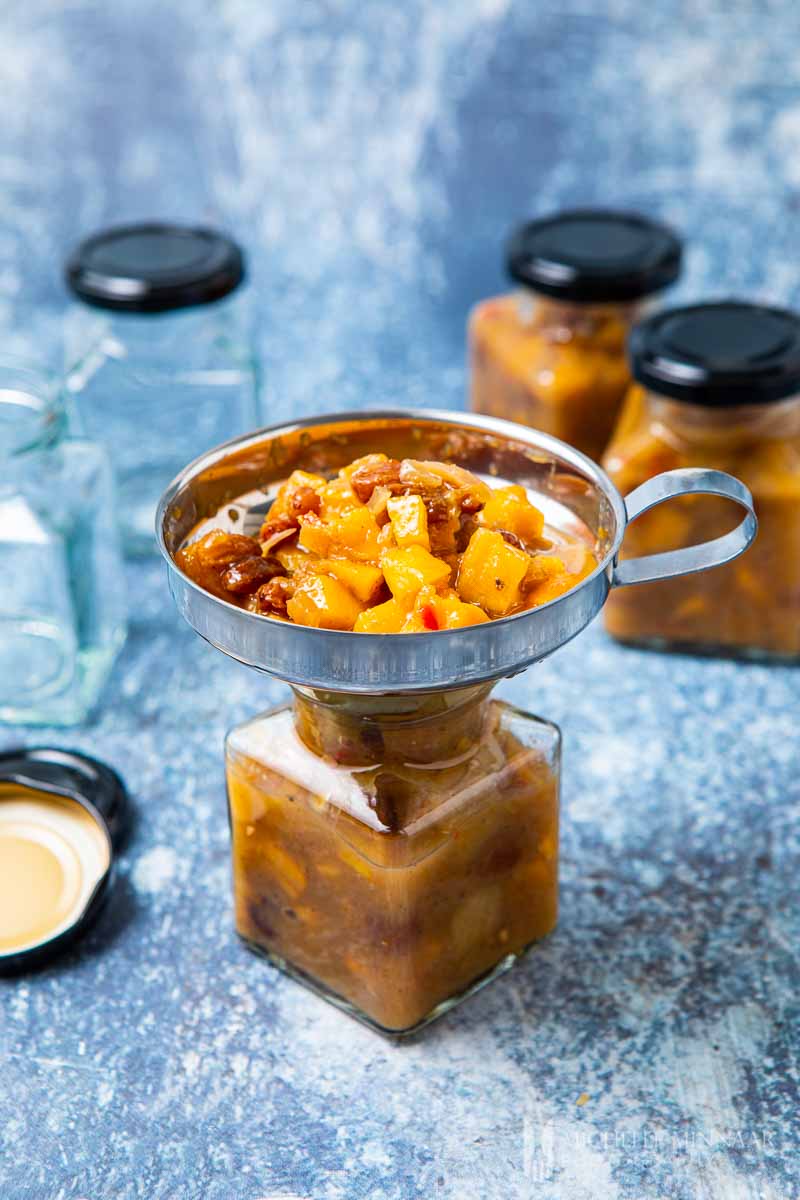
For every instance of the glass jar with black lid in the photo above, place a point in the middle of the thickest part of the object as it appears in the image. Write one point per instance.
(552, 354)
(717, 385)
(160, 355)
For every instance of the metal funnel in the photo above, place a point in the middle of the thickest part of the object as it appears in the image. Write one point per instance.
(233, 485)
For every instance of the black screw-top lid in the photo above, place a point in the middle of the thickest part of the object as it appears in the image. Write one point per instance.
(719, 354)
(154, 267)
(101, 793)
(594, 255)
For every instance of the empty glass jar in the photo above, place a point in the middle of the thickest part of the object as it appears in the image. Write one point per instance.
(161, 365)
(552, 354)
(62, 607)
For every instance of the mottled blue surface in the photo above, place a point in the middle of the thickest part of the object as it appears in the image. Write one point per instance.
(372, 157)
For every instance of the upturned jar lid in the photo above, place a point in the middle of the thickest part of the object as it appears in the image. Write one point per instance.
(594, 255)
(719, 354)
(62, 818)
(154, 267)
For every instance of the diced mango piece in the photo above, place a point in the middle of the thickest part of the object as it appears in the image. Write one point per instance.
(550, 589)
(286, 870)
(299, 479)
(543, 567)
(364, 581)
(366, 460)
(578, 561)
(383, 618)
(453, 613)
(415, 623)
(316, 535)
(409, 568)
(294, 561)
(549, 576)
(353, 533)
(325, 603)
(509, 508)
(409, 519)
(337, 496)
(491, 572)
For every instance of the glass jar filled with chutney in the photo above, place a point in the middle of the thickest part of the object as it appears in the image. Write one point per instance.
(718, 385)
(551, 354)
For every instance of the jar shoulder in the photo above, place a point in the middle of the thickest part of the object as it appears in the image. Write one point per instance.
(218, 335)
(515, 765)
(645, 443)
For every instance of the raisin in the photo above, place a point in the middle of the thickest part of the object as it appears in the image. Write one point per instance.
(438, 509)
(466, 528)
(249, 574)
(511, 538)
(220, 549)
(390, 801)
(383, 474)
(262, 911)
(278, 524)
(471, 504)
(501, 858)
(273, 597)
(305, 500)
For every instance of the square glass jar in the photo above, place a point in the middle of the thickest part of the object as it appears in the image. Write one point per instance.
(749, 608)
(62, 603)
(551, 354)
(556, 366)
(160, 357)
(394, 852)
(718, 385)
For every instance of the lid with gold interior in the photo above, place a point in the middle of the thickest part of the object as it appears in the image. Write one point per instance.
(63, 815)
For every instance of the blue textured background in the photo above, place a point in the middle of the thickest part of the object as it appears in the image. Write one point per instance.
(372, 157)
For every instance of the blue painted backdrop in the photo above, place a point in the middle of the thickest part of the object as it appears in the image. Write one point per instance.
(372, 158)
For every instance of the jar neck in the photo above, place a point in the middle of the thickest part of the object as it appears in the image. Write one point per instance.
(677, 421)
(146, 327)
(565, 320)
(363, 731)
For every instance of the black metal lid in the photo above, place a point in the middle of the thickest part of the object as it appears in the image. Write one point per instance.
(101, 793)
(594, 255)
(719, 354)
(154, 267)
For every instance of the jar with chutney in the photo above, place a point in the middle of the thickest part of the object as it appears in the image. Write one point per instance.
(395, 829)
(551, 354)
(717, 385)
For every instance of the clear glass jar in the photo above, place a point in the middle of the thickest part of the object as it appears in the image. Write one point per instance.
(552, 354)
(62, 604)
(394, 853)
(162, 364)
(749, 607)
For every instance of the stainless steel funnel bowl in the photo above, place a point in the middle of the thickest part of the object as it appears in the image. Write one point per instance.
(233, 485)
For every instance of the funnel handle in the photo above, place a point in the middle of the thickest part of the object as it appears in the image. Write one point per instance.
(687, 481)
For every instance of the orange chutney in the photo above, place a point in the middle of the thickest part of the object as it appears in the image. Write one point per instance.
(552, 355)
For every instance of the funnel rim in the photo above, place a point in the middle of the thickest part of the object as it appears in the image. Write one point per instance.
(370, 642)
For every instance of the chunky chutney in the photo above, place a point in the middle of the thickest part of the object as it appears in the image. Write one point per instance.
(391, 546)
